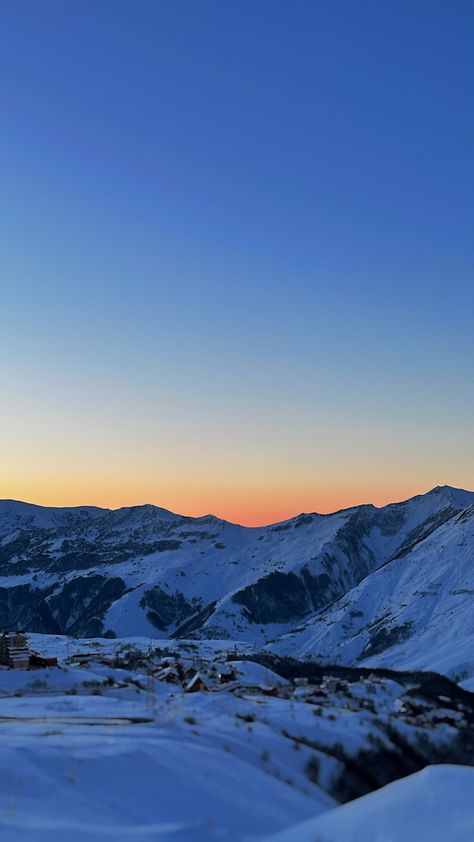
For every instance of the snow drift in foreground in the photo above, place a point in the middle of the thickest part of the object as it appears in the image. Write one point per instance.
(434, 805)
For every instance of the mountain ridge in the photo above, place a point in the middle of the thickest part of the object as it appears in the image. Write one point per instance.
(107, 509)
(143, 570)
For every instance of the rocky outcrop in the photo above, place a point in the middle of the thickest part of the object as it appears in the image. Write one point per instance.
(77, 608)
(165, 609)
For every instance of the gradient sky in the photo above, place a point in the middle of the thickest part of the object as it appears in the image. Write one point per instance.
(236, 253)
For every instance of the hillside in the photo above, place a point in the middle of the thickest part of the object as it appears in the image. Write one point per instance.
(414, 612)
(110, 745)
(305, 643)
(146, 571)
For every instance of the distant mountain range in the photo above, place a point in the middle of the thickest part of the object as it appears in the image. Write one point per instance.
(391, 586)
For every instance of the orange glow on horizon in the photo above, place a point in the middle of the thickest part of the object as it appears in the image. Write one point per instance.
(236, 506)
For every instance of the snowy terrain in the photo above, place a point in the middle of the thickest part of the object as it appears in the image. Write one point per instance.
(109, 745)
(145, 571)
(416, 611)
(332, 656)
(430, 806)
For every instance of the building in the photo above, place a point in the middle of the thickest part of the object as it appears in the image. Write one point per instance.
(196, 684)
(14, 650)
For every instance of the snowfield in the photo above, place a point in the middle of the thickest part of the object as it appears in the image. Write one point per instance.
(430, 806)
(144, 571)
(108, 744)
(415, 612)
(331, 661)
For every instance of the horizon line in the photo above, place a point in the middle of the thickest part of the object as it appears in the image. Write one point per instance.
(235, 523)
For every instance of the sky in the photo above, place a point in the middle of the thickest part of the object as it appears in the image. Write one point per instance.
(236, 253)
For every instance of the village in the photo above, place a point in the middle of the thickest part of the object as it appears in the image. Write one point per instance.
(189, 673)
(187, 669)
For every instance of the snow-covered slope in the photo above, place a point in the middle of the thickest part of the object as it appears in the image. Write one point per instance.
(106, 746)
(416, 611)
(146, 571)
(434, 805)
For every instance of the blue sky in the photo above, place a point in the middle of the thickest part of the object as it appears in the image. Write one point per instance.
(236, 252)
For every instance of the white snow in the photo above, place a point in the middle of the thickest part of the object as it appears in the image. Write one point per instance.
(434, 805)
(94, 750)
(423, 599)
(91, 750)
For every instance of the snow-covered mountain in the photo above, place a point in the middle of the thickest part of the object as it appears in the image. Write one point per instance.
(112, 743)
(415, 611)
(357, 585)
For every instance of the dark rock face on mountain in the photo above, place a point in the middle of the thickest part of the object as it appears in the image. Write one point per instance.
(283, 597)
(25, 607)
(168, 609)
(77, 608)
(82, 602)
(147, 571)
